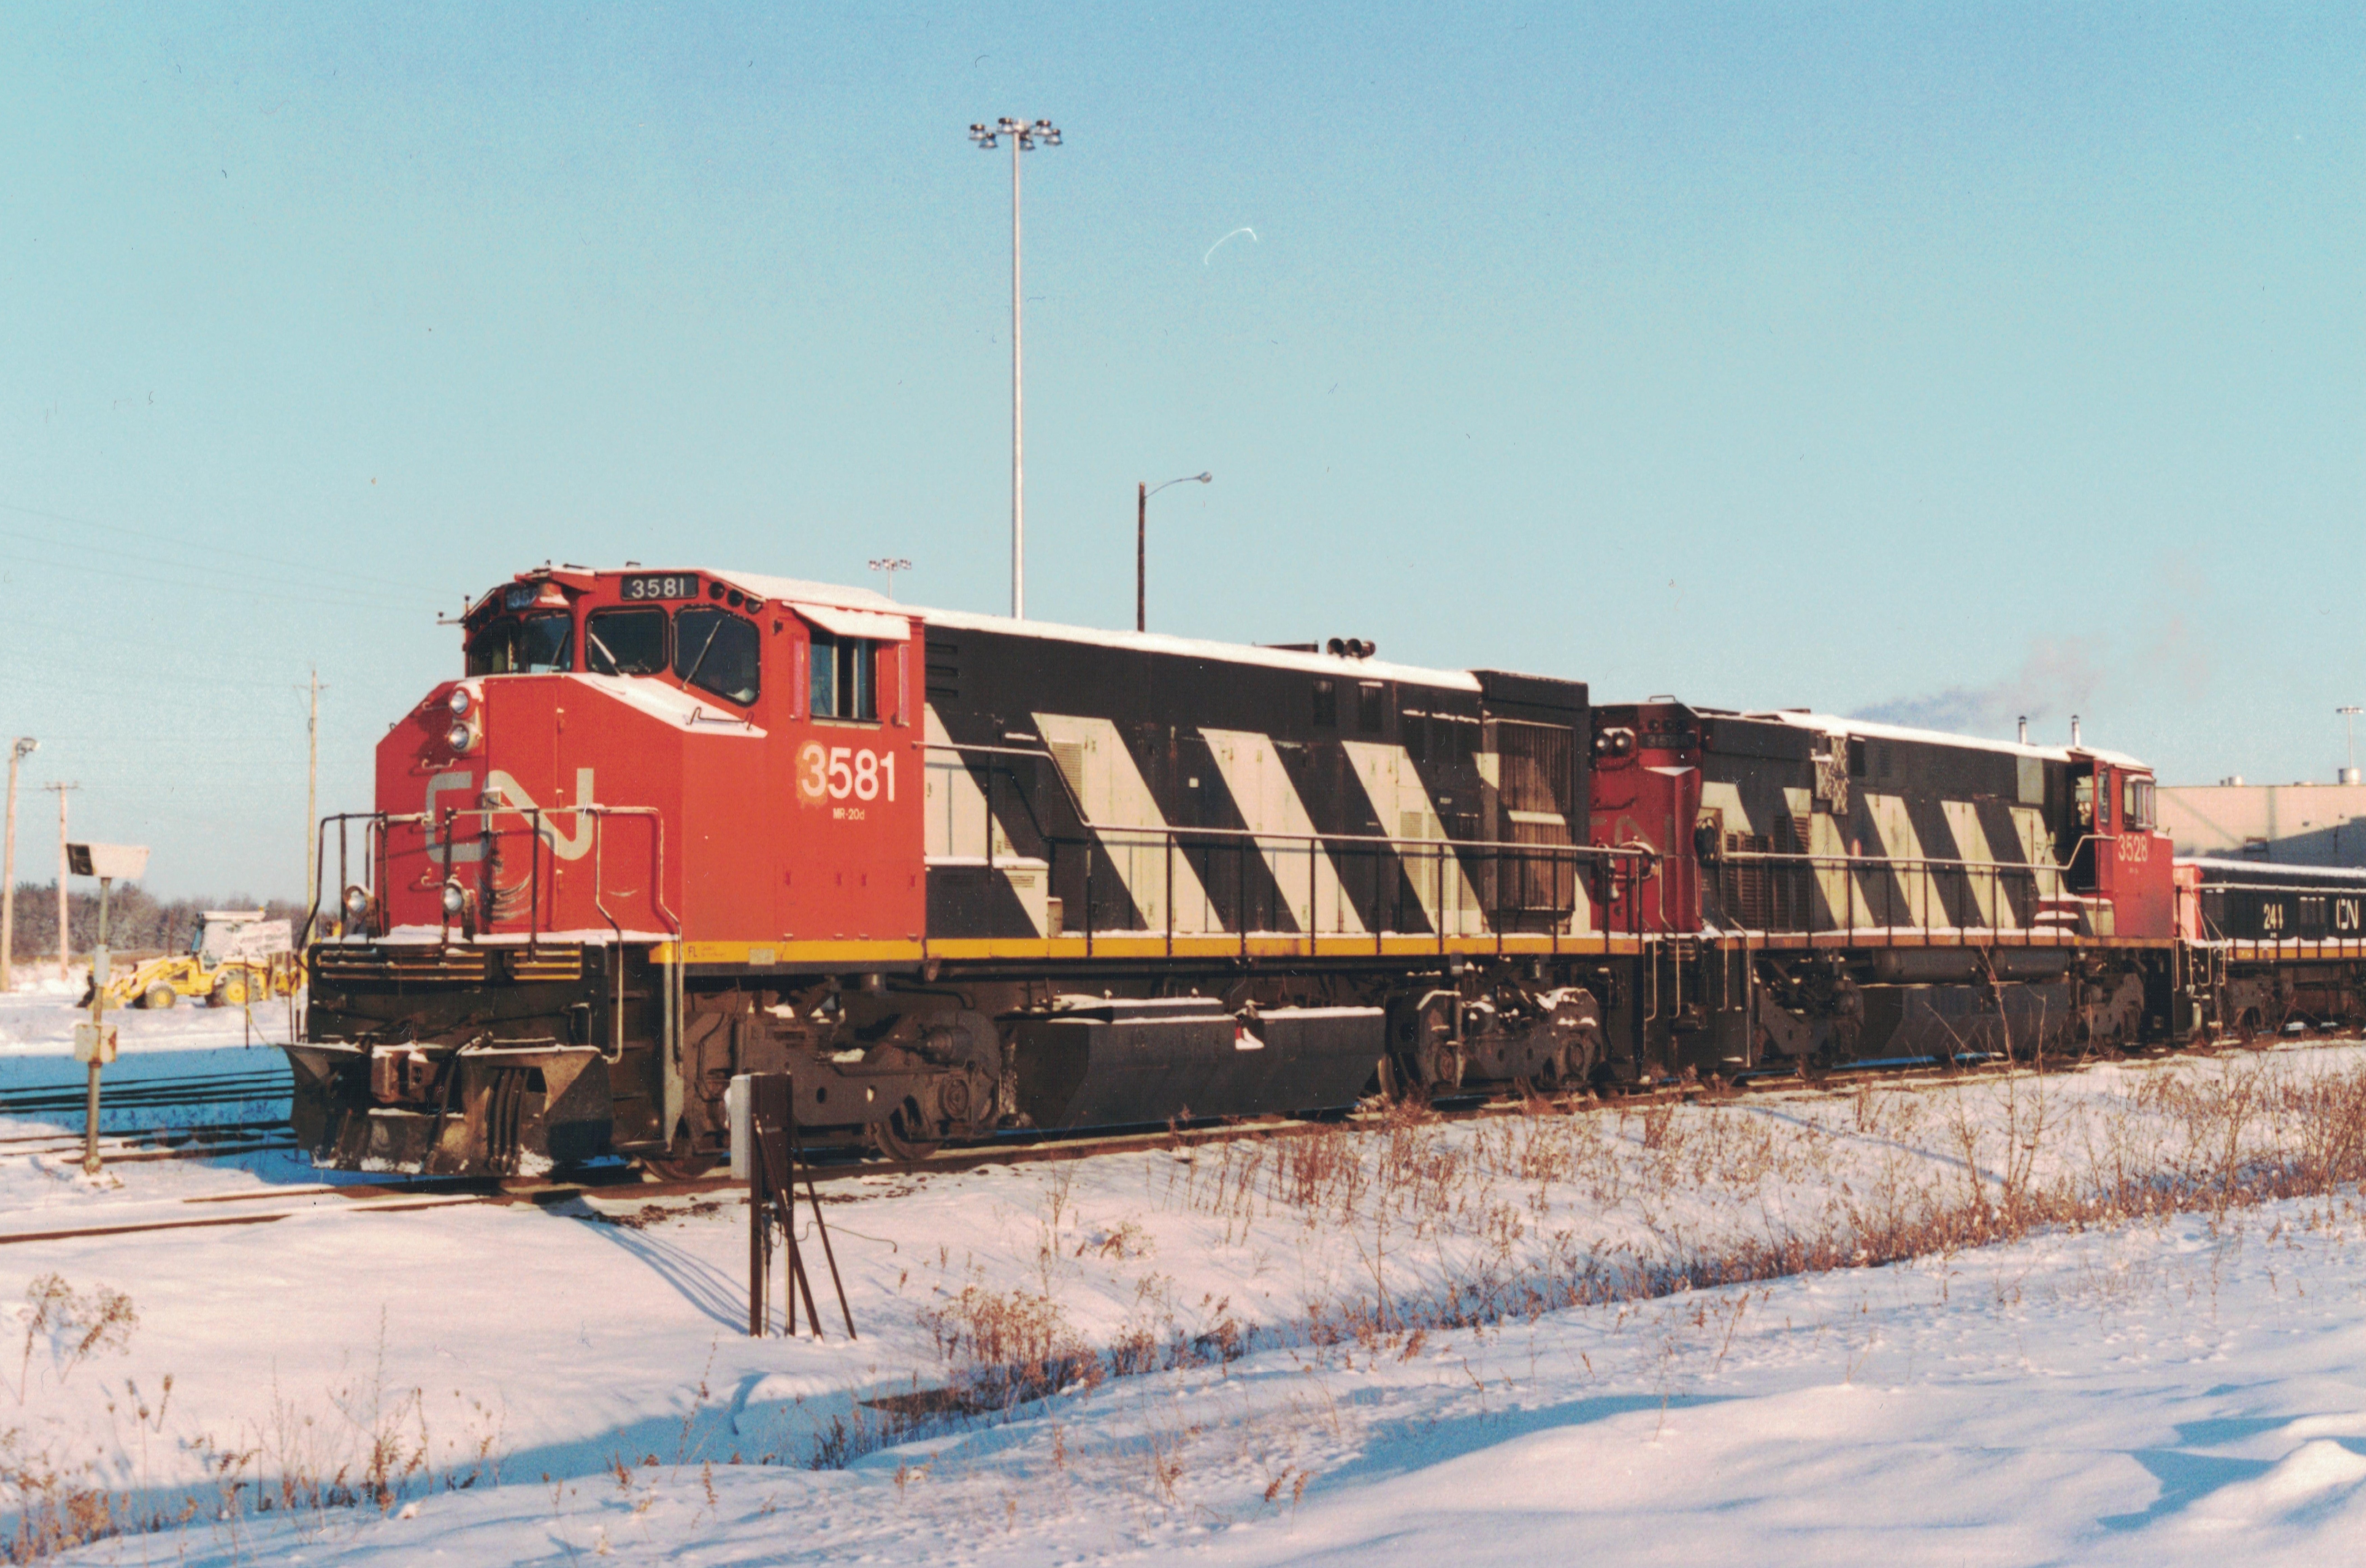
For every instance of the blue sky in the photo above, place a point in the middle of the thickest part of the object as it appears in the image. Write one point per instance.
(1942, 362)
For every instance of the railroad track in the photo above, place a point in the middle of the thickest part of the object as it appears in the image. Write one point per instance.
(149, 1094)
(624, 1183)
(215, 1140)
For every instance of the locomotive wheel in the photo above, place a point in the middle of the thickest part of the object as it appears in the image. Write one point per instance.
(679, 1162)
(892, 1138)
(965, 1101)
(1399, 1087)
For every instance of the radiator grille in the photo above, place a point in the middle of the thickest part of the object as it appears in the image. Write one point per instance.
(546, 963)
(451, 966)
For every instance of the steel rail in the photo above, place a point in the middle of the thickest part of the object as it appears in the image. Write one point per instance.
(620, 1184)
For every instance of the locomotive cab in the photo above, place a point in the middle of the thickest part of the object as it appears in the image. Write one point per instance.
(2108, 846)
(640, 778)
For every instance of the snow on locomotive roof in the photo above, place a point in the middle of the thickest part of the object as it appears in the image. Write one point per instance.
(798, 590)
(2269, 872)
(1833, 723)
(1201, 647)
(791, 590)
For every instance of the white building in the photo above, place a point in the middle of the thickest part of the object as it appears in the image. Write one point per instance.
(2294, 824)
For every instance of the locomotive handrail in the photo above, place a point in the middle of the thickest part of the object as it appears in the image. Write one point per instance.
(962, 746)
(1435, 853)
(321, 861)
(380, 821)
(1431, 853)
(669, 1015)
(1606, 852)
(1093, 826)
(1928, 869)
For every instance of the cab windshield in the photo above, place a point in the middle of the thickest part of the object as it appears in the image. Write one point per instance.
(717, 652)
(625, 642)
(533, 646)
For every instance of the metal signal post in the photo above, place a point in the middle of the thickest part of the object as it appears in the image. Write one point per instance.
(1023, 138)
(95, 1042)
(765, 1154)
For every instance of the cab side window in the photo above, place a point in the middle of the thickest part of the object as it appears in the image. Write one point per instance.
(717, 652)
(842, 686)
(2135, 806)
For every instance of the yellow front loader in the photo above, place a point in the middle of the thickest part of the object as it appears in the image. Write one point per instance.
(235, 957)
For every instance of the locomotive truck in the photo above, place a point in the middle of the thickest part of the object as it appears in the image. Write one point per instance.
(960, 874)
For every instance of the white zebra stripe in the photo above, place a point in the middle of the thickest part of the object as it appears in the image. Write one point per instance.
(1268, 803)
(1092, 757)
(1405, 810)
(1972, 845)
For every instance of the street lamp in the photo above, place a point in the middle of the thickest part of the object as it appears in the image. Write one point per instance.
(2350, 736)
(890, 566)
(1143, 492)
(1023, 138)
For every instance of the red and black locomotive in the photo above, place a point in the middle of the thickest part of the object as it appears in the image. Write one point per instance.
(961, 874)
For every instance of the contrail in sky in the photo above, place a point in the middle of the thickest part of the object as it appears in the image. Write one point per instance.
(1219, 244)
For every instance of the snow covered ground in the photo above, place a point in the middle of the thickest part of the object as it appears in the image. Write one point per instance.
(2160, 1395)
(1479, 1341)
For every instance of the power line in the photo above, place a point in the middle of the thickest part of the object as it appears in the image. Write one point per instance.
(178, 543)
(352, 585)
(314, 592)
(349, 585)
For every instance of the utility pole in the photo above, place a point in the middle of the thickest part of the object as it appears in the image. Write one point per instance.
(1023, 138)
(66, 949)
(22, 747)
(311, 797)
(1143, 492)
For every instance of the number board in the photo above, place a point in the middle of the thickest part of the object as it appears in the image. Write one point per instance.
(660, 585)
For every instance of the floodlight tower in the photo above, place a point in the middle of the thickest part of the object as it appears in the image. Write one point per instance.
(1023, 137)
(2349, 711)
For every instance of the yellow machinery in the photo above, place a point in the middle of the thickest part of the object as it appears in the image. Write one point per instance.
(235, 957)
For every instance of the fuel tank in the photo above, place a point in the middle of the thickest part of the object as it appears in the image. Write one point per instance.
(1114, 1063)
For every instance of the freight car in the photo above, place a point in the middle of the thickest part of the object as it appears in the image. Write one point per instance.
(961, 874)
(2280, 944)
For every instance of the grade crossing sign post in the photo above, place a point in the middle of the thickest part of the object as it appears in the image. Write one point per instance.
(95, 1042)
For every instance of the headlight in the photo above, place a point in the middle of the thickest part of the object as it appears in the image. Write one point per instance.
(460, 702)
(456, 899)
(357, 905)
(461, 736)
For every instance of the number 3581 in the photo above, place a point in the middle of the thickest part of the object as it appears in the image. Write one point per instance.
(836, 773)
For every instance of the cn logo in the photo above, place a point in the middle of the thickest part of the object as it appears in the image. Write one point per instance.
(572, 845)
(470, 812)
